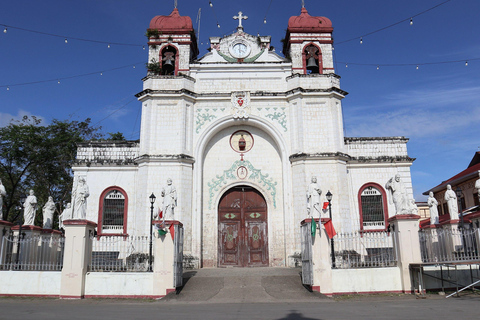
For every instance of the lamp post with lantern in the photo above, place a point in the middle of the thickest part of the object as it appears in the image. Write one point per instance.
(329, 196)
(152, 201)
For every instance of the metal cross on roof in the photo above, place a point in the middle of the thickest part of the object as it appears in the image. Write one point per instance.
(240, 17)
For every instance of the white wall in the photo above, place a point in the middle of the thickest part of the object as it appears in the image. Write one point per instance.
(110, 284)
(366, 280)
(30, 283)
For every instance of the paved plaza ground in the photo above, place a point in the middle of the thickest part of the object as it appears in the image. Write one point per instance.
(360, 307)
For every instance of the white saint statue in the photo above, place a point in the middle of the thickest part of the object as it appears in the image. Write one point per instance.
(451, 199)
(66, 215)
(80, 194)
(477, 186)
(48, 211)
(399, 196)
(432, 205)
(3, 193)
(313, 199)
(169, 194)
(30, 208)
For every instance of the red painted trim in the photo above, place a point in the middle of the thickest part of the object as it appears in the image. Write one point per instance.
(384, 202)
(124, 296)
(320, 58)
(315, 288)
(170, 290)
(29, 295)
(26, 228)
(455, 221)
(325, 220)
(404, 217)
(51, 231)
(6, 223)
(71, 297)
(167, 222)
(100, 212)
(307, 220)
(79, 223)
(319, 41)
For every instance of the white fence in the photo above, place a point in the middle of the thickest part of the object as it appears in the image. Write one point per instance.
(31, 253)
(120, 253)
(364, 250)
(449, 245)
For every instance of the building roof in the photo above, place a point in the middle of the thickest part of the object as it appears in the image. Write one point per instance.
(472, 171)
(306, 23)
(173, 23)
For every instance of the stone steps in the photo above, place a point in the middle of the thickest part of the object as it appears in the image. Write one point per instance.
(243, 285)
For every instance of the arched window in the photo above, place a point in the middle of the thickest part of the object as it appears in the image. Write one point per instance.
(112, 216)
(373, 207)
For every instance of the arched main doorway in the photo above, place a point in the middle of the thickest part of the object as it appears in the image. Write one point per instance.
(242, 228)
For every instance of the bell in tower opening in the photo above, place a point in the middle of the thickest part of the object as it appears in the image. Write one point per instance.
(168, 60)
(312, 61)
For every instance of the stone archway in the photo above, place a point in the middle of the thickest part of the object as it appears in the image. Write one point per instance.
(242, 228)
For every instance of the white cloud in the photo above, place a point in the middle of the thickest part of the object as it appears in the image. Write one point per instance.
(7, 118)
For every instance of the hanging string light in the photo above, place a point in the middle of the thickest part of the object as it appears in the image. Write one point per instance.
(346, 65)
(5, 30)
(361, 40)
(211, 4)
(218, 25)
(8, 88)
(213, 10)
(378, 67)
(108, 46)
(417, 66)
(66, 41)
(466, 63)
(265, 20)
(396, 23)
(58, 81)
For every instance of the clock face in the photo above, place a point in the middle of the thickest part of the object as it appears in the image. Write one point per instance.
(240, 50)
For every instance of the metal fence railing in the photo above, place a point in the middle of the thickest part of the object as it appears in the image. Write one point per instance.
(449, 245)
(120, 253)
(364, 250)
(31, 253)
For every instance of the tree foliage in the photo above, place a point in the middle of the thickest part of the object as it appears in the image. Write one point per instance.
(39, 157)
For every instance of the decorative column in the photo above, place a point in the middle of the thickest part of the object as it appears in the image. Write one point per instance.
(321, 258)
(164, 263)
(77, 256)
(406, 245)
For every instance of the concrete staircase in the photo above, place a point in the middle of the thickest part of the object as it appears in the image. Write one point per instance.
(244, 285)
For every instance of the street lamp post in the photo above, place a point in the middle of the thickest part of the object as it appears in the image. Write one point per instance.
(23, 198)
(329, 196)
(152, 201)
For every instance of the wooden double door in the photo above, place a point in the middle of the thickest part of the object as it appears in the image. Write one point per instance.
(242, 229)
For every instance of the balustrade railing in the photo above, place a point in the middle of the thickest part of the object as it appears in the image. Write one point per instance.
(31, 253)
(449, 245)
(364, 250)
(120, 254)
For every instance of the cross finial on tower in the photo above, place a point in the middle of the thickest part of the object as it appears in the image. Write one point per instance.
(303, 3)
(175, 4)
(240, 17)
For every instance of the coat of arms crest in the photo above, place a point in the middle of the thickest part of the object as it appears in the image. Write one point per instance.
(240, 104)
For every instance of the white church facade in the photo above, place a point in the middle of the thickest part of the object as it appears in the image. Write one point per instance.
(241, 132)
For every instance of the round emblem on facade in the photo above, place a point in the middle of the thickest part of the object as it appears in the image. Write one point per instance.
(241, 141)
(242, 172)
(240, 49)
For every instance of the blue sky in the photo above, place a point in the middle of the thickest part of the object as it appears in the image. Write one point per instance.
(436, 106)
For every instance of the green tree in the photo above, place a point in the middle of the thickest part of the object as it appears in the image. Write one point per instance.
(117, 136)
(37, 157)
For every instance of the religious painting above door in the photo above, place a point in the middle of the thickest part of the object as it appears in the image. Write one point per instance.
(242, 229)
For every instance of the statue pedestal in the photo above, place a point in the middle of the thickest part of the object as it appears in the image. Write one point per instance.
(77, 256)
(452, 238)
(321, 258)
(164, 264)
(407, 245)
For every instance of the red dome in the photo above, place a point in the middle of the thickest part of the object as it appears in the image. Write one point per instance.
(172, 23)
(306, 23)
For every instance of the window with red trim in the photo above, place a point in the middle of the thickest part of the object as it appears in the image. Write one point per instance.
(373, 207)
(112, 216)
